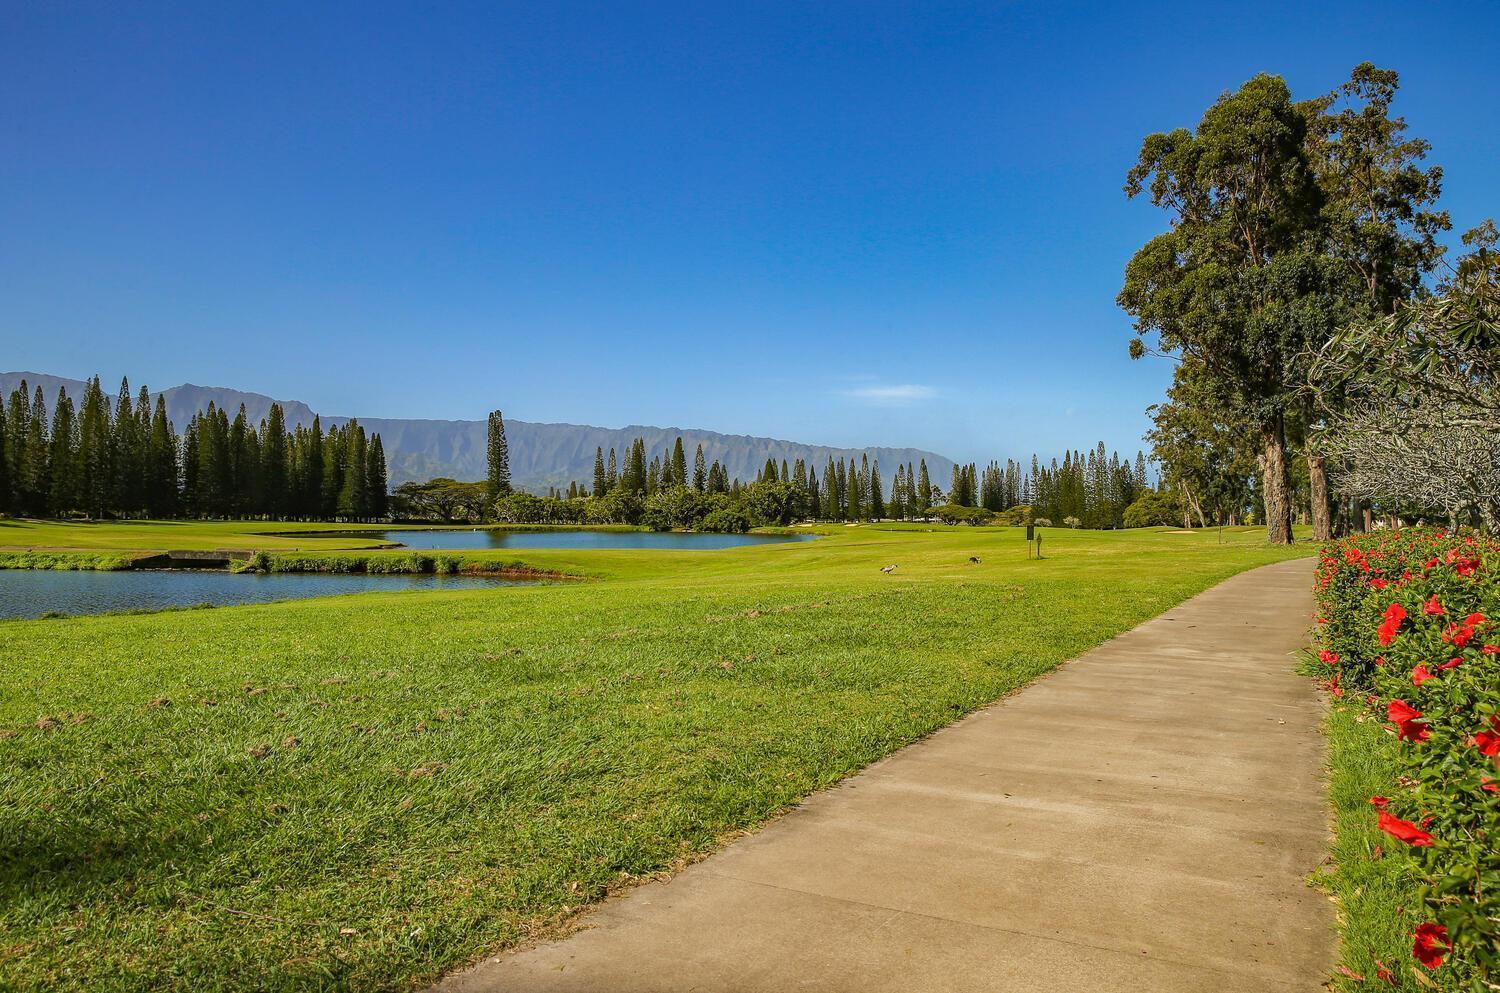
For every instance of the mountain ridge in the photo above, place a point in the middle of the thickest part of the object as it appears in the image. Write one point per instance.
(542, 453)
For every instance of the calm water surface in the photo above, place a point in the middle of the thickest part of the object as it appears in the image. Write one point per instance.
(583, 539)
(34, 592)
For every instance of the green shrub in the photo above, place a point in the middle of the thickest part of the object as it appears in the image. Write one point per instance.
(1407, 621)
(1013, 516)
(725, 521)
(950, 513)
(1152, 509)
(67, 561)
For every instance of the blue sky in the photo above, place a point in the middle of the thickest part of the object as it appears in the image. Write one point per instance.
(844, 224)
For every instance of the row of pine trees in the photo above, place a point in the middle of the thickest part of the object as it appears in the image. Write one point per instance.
(125, 459)
(847, 491)
(1093, 489)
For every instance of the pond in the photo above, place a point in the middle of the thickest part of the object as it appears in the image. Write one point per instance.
(490, 539)
(34, 592)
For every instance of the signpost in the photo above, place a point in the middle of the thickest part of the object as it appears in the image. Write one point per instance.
(1033, 542)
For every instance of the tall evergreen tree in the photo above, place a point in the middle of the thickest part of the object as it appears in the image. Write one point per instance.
(274, 463)
(63, 460)
(841, 488)
(125, 454)
(679, 464)
(5, 497)
(34, 478)
(863, 507)
(830, 492)
(700, 474)
(377, 485)
(601, 481)
(497, 482)
(633, 475)
(162, 463)
(95, 483)
(877, 500)
(924, 489)
(191, 490)
(312, 471)
(237, 496)
(353, 500)
(17, 427)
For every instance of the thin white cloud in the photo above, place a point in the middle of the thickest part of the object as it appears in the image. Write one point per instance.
(893, 394)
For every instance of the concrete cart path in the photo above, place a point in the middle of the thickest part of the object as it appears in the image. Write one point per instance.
(1142, 819)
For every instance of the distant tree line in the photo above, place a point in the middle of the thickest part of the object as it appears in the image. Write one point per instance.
(1092, 490)
(125, 459)
(667, 490)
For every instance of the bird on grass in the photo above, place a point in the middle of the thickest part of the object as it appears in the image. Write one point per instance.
(888, 569)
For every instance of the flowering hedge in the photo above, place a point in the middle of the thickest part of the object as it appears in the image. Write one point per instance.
(1410, 622)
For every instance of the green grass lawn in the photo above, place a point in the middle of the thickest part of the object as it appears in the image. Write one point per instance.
(1371, 889)
(96, 536)
(362, 792)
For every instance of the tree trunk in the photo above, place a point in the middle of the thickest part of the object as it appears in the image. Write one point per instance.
(1192, 507)
(1317, 475)
(1275, 484)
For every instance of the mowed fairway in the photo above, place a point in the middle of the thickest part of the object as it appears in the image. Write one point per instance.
(362, 792)
(126, 536)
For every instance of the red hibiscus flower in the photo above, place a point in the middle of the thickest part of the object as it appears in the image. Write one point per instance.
(1432, 608)
(1474, 619)
(1407, 726)
(1488, 785)
(1404, 830)
(1431, 944)
(1379, 801)
(1328, 658)
(1378, 583)
(1453, 663)
(1488, 742)
(1458, 634)
(1420, 675)
(1401, 711)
